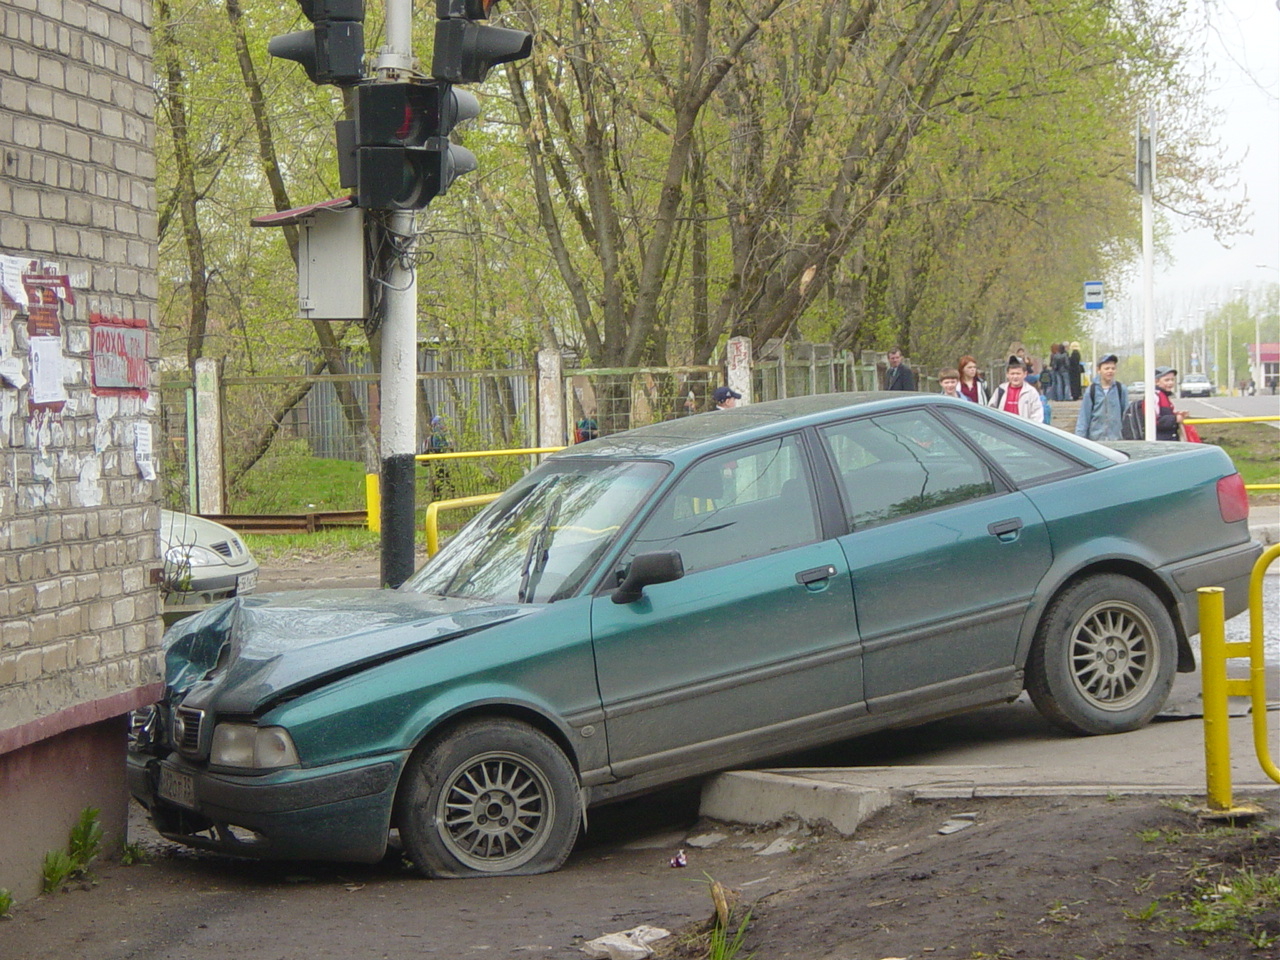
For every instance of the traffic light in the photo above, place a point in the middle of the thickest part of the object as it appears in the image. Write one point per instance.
(403, 157)
(464, 50)
(333, 50)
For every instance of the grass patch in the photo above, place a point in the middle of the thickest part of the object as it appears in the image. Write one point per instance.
(293, 481)
(1251, 446)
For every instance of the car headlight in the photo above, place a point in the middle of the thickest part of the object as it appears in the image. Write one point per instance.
(190, 555)
(255, 748)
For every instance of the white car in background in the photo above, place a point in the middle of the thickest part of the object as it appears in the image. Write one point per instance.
(204, 562)
(1195, 385)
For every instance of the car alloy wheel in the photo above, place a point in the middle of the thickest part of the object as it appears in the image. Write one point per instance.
(491, 796)
(495, 811)
(1114, 655)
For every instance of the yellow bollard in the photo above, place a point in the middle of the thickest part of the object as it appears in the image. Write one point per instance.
(373, 501)
(1213, 676)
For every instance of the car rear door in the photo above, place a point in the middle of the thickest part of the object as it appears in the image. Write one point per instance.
(944, 557)
(755, 644)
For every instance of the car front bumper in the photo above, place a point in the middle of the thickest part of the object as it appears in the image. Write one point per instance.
(340, 811)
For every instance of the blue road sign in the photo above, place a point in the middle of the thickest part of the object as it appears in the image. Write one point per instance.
(1093, 294)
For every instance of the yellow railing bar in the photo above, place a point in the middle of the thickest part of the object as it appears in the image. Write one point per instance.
(373, 493)
(1229, 419)
(1214, 652)
(432, 522)
(461, 454)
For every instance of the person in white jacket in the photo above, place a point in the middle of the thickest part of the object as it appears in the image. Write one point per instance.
(1016, 396)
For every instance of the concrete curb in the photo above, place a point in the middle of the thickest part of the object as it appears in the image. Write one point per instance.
(760, 797)
(837, 797)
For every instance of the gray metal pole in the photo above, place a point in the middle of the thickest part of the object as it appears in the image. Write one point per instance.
(399, 344)
(1146, 176)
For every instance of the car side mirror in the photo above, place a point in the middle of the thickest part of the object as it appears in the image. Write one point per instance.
(645, 569)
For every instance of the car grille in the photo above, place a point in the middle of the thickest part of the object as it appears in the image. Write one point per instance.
(228, 548)
(186, 729)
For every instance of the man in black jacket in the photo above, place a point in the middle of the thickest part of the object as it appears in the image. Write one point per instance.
(899, 375)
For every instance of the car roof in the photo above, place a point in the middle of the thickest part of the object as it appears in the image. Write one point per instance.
(686, 437)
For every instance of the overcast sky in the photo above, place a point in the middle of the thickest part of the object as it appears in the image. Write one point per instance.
(1244, 51)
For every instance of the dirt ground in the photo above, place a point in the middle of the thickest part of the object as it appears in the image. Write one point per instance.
(1062, 879)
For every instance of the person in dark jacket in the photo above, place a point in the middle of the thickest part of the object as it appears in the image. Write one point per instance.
(1075, 371)
(1168, 420)
(899, 375)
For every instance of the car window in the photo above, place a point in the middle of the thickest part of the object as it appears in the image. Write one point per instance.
(745, 503)
(1020, 456)
(544, 535)
(900, 464)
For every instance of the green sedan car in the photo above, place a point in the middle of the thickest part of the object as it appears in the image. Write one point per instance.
(701, 593)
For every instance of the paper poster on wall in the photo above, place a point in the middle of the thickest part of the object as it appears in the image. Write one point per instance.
(47, 388)
(45, 294)
(119, 356)
(142, 450)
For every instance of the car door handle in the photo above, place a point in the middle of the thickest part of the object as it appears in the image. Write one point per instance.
(1006, 530)
(815, 575)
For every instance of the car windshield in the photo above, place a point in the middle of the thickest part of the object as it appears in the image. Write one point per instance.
(539, 540)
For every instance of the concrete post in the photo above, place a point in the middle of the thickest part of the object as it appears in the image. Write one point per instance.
(209, 481)
(738, 361)
(551, 413)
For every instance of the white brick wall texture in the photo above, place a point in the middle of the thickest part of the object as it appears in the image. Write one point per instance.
(79, 616)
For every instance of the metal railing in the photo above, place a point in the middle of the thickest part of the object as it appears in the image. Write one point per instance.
(1214, 652)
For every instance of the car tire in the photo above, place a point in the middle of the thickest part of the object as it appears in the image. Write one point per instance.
(1103, 658)
(490, 797)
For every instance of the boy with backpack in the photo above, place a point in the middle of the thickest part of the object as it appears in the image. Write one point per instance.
(1103, 405)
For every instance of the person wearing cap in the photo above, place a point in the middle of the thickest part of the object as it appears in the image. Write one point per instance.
(1168, 420)
(899, 375)
(726, 398)
(1103, 405)
(1017, 397)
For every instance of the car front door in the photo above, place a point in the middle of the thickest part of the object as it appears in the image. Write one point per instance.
(754, 645)
(944, 558)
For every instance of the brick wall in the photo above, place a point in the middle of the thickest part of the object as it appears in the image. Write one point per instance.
(79, 618)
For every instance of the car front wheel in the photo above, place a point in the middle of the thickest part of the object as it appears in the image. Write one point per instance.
(490, 797)
(1103, 658)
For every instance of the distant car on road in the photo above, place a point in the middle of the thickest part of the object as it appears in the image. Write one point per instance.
(204, 562)
(658, 604)
(1195, 385)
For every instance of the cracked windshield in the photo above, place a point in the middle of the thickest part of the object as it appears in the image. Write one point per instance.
(543, 536)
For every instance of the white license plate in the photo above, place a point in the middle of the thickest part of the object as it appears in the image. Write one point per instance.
(178, 787)
(246, 582)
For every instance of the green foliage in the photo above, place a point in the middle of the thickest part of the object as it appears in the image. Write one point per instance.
(62, 866)
(6, 904)
(1228, 903)
(727, 946)
(133, 853)
(293, 481)
(57, 870)
(86, 838)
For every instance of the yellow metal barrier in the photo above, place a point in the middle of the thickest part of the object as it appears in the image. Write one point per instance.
(1247, 486)
(373, 494)
(1214, 652)
(433, 515)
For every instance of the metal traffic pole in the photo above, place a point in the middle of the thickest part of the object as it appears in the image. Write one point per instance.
(1146, 177)
(399, 341)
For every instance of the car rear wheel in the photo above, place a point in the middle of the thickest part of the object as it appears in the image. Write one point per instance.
(490, 797)
(1103, 658)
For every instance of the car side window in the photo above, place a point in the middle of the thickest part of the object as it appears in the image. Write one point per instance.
(733, 506)
(1020, 456)
(901, 464)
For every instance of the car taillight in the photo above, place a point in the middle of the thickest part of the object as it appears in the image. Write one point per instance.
(1233, 499)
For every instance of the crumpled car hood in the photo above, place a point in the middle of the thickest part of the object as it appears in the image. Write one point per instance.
(254, 650)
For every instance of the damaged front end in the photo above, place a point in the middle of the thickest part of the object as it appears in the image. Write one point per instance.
(215, 762)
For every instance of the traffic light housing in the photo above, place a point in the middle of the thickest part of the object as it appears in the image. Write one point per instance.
(464, 50)
(403, 157)
(333, 50)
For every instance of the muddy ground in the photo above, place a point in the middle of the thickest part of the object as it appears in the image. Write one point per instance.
(1059, 879)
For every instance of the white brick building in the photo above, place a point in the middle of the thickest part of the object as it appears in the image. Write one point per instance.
(80, 619)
